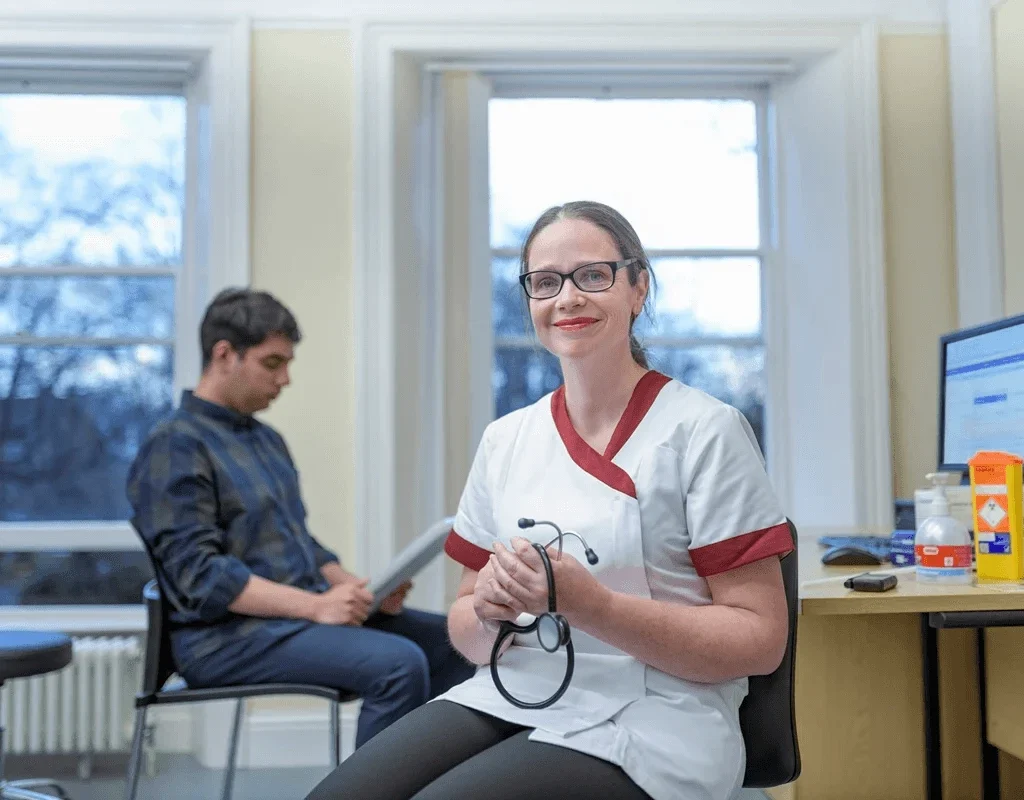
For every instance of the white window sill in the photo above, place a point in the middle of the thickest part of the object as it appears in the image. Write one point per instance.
(83, 619)
(73, 536)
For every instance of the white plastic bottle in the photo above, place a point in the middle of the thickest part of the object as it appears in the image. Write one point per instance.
(942, 546)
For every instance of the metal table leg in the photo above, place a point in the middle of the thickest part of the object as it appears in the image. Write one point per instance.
(932, 732)
(989, 753)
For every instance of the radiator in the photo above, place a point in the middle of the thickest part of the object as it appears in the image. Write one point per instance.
(84, 709)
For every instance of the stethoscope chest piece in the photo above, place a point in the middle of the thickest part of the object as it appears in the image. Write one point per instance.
(552, 631)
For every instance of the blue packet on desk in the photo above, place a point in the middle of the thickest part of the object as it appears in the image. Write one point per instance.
(901, 549)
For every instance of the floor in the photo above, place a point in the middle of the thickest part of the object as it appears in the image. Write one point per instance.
(183, 778)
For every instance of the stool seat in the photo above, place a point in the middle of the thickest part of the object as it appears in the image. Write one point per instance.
(27, 653)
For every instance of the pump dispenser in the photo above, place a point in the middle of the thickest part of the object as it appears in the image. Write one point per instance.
(942, 545)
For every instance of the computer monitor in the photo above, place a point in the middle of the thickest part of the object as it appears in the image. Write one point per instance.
(981, 392)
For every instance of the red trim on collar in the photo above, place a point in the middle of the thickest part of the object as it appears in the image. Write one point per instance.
(718, 557)
(465, 552)
(643, 397)
(586, 457)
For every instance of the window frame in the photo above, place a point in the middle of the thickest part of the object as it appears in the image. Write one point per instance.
(830, 468)
(622, 86)
(208, 62)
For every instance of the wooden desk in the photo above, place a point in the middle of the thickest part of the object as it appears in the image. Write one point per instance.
(909, 596)
(860, 687)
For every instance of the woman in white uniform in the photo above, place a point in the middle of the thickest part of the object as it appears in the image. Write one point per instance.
(667, 486)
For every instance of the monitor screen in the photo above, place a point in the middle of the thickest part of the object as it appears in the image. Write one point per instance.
(981, 395)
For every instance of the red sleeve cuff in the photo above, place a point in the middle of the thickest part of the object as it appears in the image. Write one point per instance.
(713, 559)
(466, 553)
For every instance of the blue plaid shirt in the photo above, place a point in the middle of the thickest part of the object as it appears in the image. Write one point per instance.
(216, 497)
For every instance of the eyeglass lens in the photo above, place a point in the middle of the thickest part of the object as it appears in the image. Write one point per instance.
(589, 278)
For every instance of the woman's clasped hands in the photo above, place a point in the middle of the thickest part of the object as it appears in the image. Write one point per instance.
(513, 581)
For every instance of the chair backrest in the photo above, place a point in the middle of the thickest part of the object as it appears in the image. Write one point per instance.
(768, 716)
(159, 662)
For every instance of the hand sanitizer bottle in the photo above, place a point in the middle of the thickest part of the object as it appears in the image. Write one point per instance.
(942, 545)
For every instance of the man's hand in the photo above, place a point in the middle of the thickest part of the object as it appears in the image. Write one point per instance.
(392, 604)
(343, 604)
(335, 574)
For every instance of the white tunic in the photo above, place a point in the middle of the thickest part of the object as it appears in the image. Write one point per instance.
(680, 493)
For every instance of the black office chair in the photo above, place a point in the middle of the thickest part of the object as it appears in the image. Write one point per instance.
(768, 715)
(25, 654)
(158, 688)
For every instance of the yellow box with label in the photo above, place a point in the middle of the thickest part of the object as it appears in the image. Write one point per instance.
(997, 485)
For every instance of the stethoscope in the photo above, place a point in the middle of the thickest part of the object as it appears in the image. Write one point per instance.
(552, 628)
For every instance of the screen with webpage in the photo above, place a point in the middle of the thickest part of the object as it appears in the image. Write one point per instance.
(984, 394)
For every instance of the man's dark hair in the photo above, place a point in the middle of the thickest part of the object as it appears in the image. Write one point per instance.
(244, 318)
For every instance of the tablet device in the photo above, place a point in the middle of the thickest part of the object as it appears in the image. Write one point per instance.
(413, 558)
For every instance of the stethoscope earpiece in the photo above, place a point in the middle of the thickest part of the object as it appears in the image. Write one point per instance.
(526, 522)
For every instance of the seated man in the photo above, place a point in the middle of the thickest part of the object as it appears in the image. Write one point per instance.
(253, 597)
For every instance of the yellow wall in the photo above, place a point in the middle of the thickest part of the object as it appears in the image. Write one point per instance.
(302, 252)
(1009, 47)
(920, 255)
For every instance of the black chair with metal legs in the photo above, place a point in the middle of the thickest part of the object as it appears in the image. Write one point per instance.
(158, 689)
(768, 715)
(24, 654)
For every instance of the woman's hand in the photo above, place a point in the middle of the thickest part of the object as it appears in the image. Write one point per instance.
(491, 603)
(522, 582)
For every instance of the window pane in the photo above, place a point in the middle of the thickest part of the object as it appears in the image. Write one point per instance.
(733, 375)
(91, 180)
(521, 376)
(509, 313)
(87, 307)
(705, 297)
(682, 171)
(46, 578)
(71, 421)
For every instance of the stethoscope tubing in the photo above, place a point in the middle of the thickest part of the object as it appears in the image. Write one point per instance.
(507, 629)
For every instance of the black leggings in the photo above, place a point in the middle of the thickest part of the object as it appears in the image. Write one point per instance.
(443, 751)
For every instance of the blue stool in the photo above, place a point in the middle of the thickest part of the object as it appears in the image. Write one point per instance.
(22, 655)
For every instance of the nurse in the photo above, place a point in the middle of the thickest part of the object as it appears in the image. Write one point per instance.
(667, 485)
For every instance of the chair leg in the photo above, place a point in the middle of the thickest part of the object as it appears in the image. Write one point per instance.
(12, 793)
(236, 727)
(135, 760)
(335, 712)
(39, 783)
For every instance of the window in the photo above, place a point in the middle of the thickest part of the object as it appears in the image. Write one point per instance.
(92, 195)
(72, 577)
(686, 172)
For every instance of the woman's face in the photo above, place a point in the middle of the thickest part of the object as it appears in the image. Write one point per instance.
(575, 324)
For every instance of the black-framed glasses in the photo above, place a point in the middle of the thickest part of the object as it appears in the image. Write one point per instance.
(598, 276)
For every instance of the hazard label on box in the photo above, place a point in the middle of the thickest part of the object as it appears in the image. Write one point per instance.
(991, 514)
